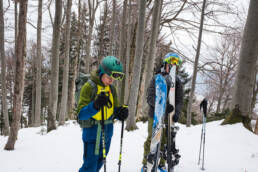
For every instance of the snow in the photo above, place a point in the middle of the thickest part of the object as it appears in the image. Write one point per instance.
(228, 148)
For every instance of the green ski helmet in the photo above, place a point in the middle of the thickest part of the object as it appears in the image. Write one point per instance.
(112, 66)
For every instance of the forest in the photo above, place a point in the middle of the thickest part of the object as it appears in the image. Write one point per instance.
(46, 44)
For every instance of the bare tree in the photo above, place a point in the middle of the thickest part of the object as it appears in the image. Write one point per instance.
(93, 6)
(127, 55)
(122, 49)
(20, 53)
(220, 68)
(6, 129)
(63, 110)
(244, 83)
(52, 108)
(37, 112)
(15, 22)
(112, 30)
(190, 100)
(149, 66)
(130, 123)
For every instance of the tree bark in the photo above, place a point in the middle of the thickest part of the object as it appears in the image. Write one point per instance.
(52, 108)
(20, 53)
(244, 83)
(152, 49)
(247, 63)
(112, 30)
(15, 23)
(127, 55)
(133, 97)
(189, 106)
(122, 50)
(63, 110)
(37, 121)
(101, 52)
(6, 129)
(92, 14)
(256, 127)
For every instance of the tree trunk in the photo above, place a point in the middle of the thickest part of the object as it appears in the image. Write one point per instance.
(221, 93)
(133, 97)
(74, 65)
(244, 82)
(112, 30)
(101, 52)
(15, 23)
(122, 50)
(6, 129)
(20, 53)
(247, 63)
(52, 108)
(152, 50)
(33, 96)
(37, 121)
(127, 55)
(189, 106)
(256, 127)
(63, 110)
(92, 14)
(255, 92)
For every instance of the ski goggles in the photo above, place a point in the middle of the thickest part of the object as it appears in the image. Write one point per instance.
(173, 60)
(117, 75)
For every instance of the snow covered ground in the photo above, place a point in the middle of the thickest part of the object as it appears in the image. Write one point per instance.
(229, 148)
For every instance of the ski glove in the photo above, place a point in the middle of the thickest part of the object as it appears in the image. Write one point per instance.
(175, 117)
(170, 108)
(101, 100)
(121, 113)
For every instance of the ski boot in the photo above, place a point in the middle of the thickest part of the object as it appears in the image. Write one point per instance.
(162, 168)
(150, 161)
(144, 168)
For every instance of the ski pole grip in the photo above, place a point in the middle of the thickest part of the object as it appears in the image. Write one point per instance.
(203, 106)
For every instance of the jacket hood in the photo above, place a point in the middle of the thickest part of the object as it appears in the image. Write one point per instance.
(94, 76)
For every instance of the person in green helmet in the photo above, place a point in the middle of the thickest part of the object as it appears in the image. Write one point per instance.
(98, 94)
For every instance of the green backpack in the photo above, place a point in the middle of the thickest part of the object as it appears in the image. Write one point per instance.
(79, 82)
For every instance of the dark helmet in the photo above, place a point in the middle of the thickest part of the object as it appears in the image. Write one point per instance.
(112, 66)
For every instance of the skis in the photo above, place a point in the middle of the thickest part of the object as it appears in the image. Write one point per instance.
(172, 152)
(158, 125)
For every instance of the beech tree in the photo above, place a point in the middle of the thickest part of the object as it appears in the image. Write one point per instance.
(6, 129)
(20, 54)
(244, 83)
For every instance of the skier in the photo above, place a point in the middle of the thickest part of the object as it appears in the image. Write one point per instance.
(98, 96)
(164, 69)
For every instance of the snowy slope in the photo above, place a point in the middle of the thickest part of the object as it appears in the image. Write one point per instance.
(228, 149)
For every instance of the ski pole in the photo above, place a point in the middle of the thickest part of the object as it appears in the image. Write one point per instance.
(203, 106)
(121, 144)
(103, 138)
(200, 146)
(204, 125)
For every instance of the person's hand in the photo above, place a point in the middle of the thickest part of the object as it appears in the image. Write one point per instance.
(170, 108)
(101, 100)
(122, 113)
(175, 118)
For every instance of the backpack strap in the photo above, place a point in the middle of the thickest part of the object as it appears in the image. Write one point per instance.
(113, 90)
(94, 89)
